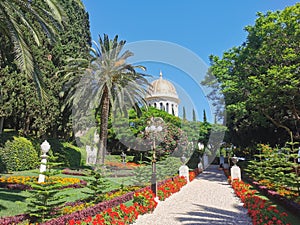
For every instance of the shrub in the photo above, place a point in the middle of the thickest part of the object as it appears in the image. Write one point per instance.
(18, 155)
(165, 169)
(68, 154)
(98, 185)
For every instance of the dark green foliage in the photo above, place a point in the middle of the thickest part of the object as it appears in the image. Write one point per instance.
(179, 136)
(21, 109)
(98, 186)
(164, 169)
(7, 135)
(204, 117)
(277, 166)
(194, 116)
(183, 114)
(260, 81)
(45, 198)
(68, 154)
(142, 175)
(194, 159)
(18, 155)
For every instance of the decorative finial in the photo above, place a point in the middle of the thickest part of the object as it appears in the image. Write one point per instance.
(160, 74)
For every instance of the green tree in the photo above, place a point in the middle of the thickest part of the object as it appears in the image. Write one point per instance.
(183, 113)
(14, 19)
(20, 107)
(45, 197)
(260, 79)
(278, 166)
(111, 85)
(194, 116)
(204, 117)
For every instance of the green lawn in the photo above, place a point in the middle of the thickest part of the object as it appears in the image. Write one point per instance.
(13, 202)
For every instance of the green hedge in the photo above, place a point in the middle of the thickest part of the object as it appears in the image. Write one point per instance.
(68, 154)
(17, 155)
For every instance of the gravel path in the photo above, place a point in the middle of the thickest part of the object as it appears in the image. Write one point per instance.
(208, 199)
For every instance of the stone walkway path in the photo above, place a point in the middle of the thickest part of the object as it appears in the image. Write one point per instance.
(208, 199)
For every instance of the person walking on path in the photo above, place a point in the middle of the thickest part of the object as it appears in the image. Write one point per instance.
(208, 199)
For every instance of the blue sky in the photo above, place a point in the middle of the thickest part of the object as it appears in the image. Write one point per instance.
(202, 27)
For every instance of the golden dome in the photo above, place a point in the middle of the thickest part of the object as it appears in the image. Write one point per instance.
(163, 89)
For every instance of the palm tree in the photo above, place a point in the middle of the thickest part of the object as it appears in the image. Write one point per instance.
(108, 86)
(14, 17)
(120, 84)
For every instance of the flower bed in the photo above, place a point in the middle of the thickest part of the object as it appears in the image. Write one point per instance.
(143, 203)
(68, 171)
(117, 213)
(127, 165)
(279, 198)
(284, 198)
(260, 210)
(193, 174)
(112, 211)
(23, 182)
(168, 188)
(90, 212)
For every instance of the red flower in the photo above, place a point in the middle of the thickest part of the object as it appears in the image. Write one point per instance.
(72, 222)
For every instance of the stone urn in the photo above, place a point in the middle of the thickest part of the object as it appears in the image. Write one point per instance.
(234, 160)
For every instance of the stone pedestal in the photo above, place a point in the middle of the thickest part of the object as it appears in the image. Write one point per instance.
(200, 167)
(222, 161)
(184, 172)
(235, 173)
(205, 161)
(43, 168)
(91, 155)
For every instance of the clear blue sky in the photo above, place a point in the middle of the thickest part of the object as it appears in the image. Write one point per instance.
(201, 26)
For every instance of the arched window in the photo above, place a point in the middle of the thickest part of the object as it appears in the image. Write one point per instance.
(167, 107)
(173, 113)
(155, 105)
(161, 106)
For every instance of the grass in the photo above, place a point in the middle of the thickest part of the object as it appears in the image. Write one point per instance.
(13, 202)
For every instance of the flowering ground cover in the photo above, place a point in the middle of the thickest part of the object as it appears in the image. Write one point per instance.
(143, 202)
(260, 208)
(262, 211)
(282, 191)
(23, 182)
(116, 202)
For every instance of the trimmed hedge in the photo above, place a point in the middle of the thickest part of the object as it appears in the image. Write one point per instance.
(18, 155)
(68, 154)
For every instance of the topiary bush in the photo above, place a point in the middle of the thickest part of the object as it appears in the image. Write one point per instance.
(73, 155)
(17, 155)
(68, 154)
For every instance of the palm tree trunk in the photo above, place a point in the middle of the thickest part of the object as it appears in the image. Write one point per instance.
(103, 127)
(1, 124)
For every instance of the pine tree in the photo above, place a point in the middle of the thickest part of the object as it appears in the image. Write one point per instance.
(44, 197)
(275, 166)
(98, 185)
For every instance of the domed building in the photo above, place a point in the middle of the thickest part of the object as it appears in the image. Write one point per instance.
(162, 95)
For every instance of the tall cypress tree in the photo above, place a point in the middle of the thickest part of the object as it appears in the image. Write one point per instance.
(204, 116)
(194, 116)
(183, 113)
